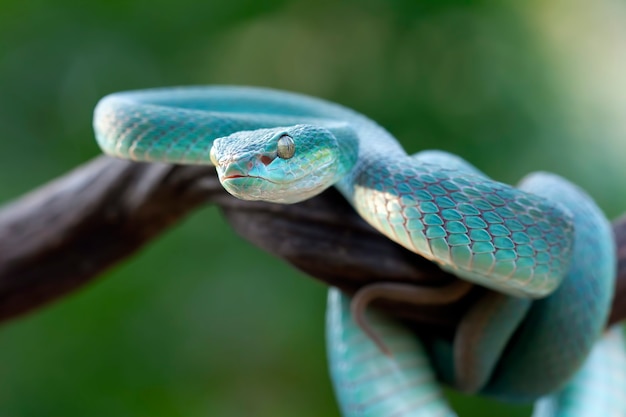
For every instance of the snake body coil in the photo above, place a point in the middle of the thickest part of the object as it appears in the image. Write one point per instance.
(523, 243)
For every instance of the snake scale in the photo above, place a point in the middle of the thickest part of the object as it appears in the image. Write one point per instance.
(544, 248)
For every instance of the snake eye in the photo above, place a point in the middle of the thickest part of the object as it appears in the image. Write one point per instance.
(286, 147)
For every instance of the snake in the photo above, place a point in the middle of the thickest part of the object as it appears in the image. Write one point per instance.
(543, 250)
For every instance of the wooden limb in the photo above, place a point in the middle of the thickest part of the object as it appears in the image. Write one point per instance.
(67, 232)
(618, 310)
(64, 234)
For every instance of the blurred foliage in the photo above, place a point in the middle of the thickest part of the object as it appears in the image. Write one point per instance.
(201, 323)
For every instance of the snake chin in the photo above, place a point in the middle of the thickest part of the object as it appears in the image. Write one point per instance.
(254, 188)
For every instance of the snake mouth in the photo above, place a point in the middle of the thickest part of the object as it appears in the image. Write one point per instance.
(240, 176)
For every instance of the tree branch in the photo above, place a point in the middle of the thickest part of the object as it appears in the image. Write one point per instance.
(64, 234)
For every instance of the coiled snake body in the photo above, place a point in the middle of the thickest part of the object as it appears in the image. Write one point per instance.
(544, 248)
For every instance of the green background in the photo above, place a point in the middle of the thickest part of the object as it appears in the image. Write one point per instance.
(201, 323)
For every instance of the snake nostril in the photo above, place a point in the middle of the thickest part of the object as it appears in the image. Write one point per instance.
(266, 160)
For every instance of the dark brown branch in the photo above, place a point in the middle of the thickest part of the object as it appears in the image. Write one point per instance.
(66, 233)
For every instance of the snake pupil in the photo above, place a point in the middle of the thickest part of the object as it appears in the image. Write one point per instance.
(286, 147)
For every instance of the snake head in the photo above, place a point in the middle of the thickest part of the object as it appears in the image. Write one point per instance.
(280, 165)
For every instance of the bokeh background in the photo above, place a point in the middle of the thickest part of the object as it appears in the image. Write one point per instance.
(201, 323)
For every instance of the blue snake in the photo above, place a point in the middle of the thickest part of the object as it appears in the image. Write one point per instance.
(544, 249)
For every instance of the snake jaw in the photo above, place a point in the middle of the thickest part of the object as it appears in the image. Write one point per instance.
(249, 179)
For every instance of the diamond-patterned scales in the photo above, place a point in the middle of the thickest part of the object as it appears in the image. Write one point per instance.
(484, 231)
